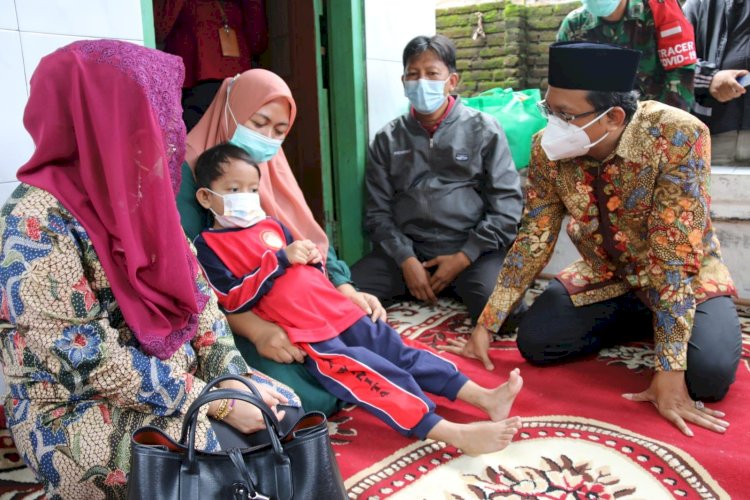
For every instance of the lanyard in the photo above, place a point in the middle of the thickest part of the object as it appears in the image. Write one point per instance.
(224, 19)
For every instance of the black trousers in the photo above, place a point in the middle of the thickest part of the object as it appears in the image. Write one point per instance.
(554, 330)
(378, 274)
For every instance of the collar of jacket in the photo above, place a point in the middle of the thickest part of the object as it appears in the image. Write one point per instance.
(453, 115)
(631, 143)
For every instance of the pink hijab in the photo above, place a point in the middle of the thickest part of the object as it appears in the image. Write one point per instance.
(280, 195)
(105, 117)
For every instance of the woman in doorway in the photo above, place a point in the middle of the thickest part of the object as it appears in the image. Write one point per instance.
(255, 110)
(107, 321)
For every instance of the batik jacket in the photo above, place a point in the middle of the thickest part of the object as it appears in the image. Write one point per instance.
(640, 220)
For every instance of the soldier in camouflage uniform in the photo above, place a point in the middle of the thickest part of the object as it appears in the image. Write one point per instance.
(636, 30)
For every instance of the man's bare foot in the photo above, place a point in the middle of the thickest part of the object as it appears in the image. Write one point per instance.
(486, 437)
(497, 402)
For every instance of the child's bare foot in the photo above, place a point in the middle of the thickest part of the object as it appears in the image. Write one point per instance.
(486, 437)
(497, 402)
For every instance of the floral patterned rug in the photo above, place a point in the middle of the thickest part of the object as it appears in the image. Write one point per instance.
(580, 439)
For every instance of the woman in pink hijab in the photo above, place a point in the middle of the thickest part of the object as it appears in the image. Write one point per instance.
(108, 322)
(255, 110)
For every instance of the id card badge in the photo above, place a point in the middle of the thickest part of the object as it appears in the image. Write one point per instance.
(228, 39)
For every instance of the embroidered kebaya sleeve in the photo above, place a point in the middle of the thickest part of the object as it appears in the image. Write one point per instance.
(540, 225)
(240, 293)
(677, 225)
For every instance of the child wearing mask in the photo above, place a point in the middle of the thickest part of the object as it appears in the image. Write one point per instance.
(253, 262)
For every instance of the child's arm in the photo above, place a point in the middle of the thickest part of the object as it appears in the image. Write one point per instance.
(239, 294)
(301, 251)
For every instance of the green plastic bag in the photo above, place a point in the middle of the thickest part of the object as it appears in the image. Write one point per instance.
(517, 113)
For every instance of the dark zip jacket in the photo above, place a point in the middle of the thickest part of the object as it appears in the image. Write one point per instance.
(455, 191)
(722, 40)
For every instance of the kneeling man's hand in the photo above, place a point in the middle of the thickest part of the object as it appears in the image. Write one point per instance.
(477, 347)
(668, 393)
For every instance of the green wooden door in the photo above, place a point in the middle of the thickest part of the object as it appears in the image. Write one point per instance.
(321, 42)
(345, 53)
(147, 20)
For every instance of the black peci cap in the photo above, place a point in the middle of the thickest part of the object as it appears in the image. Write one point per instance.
(592, 66)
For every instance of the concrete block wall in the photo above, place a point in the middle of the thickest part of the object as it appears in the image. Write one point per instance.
(543, 22)
(513, 52)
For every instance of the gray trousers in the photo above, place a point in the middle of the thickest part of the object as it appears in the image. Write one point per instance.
(379, 275)
(554, 330)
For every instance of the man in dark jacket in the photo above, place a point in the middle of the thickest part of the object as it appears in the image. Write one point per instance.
(722, 38)
(444, 198)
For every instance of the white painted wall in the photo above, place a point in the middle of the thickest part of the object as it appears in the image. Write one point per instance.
(31, 29)
(389, 25)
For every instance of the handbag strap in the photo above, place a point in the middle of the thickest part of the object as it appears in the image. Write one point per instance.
(242, 490)
(268, 416)
(230, 376)
(247, 489)
(187, 421)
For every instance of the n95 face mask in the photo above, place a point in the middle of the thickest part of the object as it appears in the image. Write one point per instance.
(561, 139)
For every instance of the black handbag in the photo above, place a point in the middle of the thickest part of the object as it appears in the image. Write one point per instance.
(298, 464)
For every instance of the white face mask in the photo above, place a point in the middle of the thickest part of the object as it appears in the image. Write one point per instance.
(562, 139)
(240, 209)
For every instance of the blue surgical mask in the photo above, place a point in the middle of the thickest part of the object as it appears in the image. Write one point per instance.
(425, 95)
(258, 146)
(601, 8)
